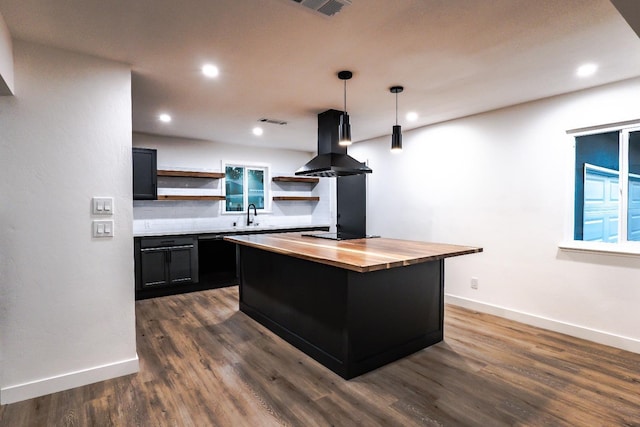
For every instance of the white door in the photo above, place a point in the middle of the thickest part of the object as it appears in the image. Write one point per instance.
(633, 219)
(601, 201)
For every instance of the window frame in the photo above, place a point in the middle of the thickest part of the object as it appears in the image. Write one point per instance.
(623, 247)
(265, 167)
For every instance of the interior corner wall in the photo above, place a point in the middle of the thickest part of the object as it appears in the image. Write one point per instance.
(6, 60)
(503, 180)
(67, 309)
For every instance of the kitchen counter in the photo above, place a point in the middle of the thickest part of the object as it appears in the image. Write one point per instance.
(178, 257)
(176, 229)
(361, 255)
(352, 305)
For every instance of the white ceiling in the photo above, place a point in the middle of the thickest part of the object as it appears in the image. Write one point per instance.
(279, 60)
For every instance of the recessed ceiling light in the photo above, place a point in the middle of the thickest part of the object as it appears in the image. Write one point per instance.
(257, 131)
(586, 70)
(210, 70)
(164, 118)
(412, 116)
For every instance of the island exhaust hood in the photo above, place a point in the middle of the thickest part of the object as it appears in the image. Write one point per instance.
(332, 159)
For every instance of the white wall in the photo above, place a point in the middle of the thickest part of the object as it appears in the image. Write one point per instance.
(67, 300)
(198, 154)
(503, 181)
(6, 59)
(181, 153)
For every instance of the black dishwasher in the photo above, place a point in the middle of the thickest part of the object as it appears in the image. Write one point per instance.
(217, 262)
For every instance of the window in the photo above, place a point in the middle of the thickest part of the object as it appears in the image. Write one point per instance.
(245, 185)
(607, 186)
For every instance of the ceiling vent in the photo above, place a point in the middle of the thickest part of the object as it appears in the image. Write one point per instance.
(272, 121)
(325, 7)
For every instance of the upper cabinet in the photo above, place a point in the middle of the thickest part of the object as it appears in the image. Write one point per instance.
(145, 185)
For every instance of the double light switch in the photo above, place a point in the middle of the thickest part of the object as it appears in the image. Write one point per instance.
(102, 228)
(102, 206)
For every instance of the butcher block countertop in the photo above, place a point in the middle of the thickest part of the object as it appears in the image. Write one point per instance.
(360, 255)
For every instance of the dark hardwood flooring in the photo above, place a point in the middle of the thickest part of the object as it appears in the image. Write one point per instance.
(203, 363)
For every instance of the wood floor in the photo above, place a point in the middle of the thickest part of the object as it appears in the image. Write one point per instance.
(203, 363)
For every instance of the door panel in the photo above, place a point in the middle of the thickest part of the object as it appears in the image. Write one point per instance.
(633, 220)
(144, 174)
(180, 265)
(153, 267)
(601, 201)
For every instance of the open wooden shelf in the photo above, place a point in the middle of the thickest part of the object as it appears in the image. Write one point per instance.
(190, 174)
(296, 198)
(295, 179)
(181, 197)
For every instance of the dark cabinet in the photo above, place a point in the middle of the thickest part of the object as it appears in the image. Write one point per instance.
(351, 204)
(145, 180)
(168, 265)
(153, 268)
(166, 261)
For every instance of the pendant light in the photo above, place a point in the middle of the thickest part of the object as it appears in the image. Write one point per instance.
(344, 130)
(396, 136)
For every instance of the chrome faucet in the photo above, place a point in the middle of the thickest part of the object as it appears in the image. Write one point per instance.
(255, 213)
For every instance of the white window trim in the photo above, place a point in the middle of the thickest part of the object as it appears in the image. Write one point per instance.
(626, 248)
(267, 185)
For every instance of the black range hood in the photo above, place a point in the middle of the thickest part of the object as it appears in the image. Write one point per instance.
(332, 159)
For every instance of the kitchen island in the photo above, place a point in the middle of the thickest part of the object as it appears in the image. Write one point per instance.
(352, 305)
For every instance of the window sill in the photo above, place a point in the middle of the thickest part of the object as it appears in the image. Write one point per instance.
(626, 249)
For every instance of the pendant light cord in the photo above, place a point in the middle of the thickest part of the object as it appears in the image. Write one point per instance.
(396, 108)
(345, 97)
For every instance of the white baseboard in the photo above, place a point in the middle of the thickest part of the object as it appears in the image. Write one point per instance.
(58, 383)
(600, 337)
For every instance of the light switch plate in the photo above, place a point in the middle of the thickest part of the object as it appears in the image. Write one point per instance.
(102, 206)
(102, 228)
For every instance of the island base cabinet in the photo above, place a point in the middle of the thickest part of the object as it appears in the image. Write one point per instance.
(350, 322)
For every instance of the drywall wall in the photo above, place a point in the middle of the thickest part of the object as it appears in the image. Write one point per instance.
(199, 154)
(181, 153)
(503, 180)
(67, 310)
(6, 59)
